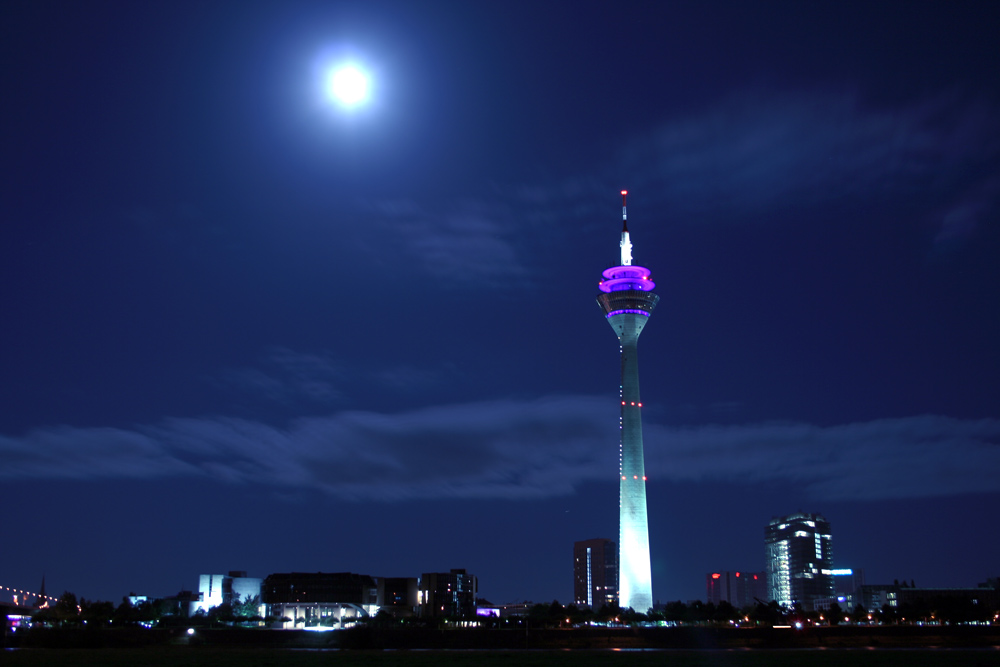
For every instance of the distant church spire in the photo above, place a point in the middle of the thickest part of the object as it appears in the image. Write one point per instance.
(41, 600)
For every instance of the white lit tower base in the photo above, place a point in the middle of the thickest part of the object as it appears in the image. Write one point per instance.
(627, 300)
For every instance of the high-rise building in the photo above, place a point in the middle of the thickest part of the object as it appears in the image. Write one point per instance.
(452, 594)
(740, 589)
(799, 559)
(627, 300)
(595, 573)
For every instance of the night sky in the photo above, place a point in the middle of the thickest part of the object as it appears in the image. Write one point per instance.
(244, 328)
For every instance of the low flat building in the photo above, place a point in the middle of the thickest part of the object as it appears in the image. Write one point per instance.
(232, 588)
(875, 596)
(318, 599)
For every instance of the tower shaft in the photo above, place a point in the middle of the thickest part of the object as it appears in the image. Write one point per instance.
(627, 312)
(635, 579)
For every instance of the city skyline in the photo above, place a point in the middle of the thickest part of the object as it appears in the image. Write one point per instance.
(250, 327)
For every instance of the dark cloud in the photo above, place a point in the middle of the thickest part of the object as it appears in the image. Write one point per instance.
(761, 149)
(64, 452)
(461, 244)
(964, 215)
(888, 458)
(287, 377)
(411, 379)
(520, 450)
(755, 154)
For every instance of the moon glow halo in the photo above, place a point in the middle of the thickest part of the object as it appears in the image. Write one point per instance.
(349, 86)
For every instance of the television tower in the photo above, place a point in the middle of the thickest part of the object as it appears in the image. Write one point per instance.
(628, 300)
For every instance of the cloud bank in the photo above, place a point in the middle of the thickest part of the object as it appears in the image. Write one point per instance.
(758, 149)
(757, 154)
(466, 242)
(518, 450)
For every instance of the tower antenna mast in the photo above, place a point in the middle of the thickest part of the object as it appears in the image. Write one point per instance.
(626, 245)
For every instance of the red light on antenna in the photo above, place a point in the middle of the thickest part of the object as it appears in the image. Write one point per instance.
(716, 575)
(624, 192)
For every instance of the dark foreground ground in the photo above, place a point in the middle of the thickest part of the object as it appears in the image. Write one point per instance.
(215, 656)
(514, 639)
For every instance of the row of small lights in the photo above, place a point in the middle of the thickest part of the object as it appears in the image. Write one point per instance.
(634, 476)
(37, 595)
(18, 590)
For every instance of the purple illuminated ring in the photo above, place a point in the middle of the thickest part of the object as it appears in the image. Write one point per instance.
(619, 278)
(634, 311)
(626, 272)
(619, 284)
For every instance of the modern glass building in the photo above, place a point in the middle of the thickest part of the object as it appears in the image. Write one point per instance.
(799, 559)
(628, 301)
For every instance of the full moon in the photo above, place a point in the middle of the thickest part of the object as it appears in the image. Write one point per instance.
(349, 85)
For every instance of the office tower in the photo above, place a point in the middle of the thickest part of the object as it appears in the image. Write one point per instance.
(718, 587)
(799, 559)
(448, 594)
(847, 582)
(595, 573)
(627, 300)
(740, 589)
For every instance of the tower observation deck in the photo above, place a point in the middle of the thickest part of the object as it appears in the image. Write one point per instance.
(627, 300)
